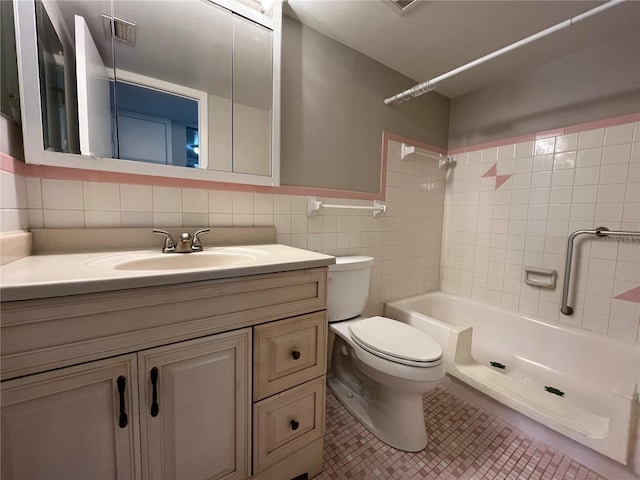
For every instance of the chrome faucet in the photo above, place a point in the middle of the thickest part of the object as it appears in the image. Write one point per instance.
(186, 244)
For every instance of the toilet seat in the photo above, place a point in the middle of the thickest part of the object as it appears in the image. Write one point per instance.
(396, 341)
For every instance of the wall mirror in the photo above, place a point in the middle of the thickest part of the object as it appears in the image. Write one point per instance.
(179, 88)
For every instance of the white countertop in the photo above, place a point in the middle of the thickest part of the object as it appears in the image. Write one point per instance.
(43, 276)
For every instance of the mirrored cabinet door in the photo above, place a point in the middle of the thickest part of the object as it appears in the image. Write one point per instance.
(173, 81)
(252, 97)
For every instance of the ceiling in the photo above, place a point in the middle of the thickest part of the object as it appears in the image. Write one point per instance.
(435, 37)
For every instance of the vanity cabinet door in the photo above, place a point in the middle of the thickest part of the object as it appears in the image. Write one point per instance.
(195, 408)
(78, 422)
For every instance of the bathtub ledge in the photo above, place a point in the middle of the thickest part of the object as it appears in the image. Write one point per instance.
(606, 435)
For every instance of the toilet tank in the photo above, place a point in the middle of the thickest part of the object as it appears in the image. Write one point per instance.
(348, 287)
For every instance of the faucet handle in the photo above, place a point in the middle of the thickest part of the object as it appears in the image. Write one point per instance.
(169, 245)
(196, 246)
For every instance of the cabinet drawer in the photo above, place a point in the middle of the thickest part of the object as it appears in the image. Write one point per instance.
(288, 352)
(286, 422)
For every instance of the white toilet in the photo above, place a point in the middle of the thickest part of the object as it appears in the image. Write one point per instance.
(380, 368)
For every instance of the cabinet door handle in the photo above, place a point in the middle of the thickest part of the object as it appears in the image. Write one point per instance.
(122, 385)
(295, 354)
(294, 425)
(155, 408)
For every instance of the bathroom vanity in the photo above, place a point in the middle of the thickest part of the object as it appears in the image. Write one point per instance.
(184, 377)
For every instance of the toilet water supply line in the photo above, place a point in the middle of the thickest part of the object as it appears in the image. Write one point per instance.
(429, 85)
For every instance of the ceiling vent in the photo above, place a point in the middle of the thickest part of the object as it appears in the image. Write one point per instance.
(119, 29)
(401, 7)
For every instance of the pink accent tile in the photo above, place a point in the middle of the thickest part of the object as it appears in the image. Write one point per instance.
(11, 165)
(500, 179)
(492, 172)
(632, 295)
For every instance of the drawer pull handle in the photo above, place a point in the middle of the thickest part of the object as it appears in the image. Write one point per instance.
(295, 354)
(155, 408)
(122, 385)
(294, 425)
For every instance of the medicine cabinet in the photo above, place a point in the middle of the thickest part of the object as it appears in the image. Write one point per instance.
(179, 88)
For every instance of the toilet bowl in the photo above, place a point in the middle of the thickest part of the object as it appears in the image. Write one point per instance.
(380, 368)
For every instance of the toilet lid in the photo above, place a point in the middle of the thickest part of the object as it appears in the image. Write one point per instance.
(396, 341)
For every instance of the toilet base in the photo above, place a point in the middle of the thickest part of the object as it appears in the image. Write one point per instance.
(395, 418)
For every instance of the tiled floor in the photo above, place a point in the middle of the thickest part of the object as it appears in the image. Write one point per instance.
(465, 442)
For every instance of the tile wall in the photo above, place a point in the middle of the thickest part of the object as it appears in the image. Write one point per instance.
(405, 241)
(514, 205)
(505, 207)
(14, 214)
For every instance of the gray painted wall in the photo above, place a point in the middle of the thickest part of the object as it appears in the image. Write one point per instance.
(333, 113)
(591, 85)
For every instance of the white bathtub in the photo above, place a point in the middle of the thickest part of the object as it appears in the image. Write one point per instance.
(598, 375)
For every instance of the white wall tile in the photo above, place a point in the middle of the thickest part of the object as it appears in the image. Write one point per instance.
(587, 176)
(562, 161)
(614, 173)
(137, 219)
(220, 201)
(585, 194)
(524, 149)
(618, 134)
(136, 198)
(263, 203)
(63, 218)
(596, 184)
(167, 219)
(242, 219)
(195, 200)
(34, 192)
(565, 143)
(195, 220)
(611, 193)
(242, 203)
(616, 154)
(167, 199)
(282, 204)
(543, 163)
(102, 219)
(101, 196)
(591, 138)
(590, 157)
(13, 191)
(62, 195)
(545, 146)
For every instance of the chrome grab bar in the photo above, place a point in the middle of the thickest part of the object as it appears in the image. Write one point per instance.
(598, 232)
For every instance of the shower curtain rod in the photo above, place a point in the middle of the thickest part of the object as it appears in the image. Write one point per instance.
(425, 87)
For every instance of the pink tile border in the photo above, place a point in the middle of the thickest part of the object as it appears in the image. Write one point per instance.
(387, 136)
(582, 127)
(12, 165)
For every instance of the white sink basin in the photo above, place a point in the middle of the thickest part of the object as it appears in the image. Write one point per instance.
(219, 257)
